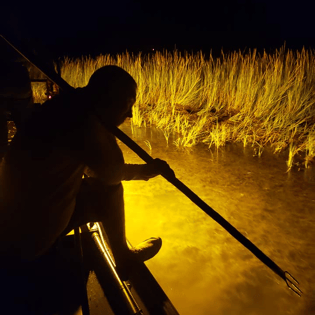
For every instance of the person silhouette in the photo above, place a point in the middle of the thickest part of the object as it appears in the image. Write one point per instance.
(43, 191)
(41, 184)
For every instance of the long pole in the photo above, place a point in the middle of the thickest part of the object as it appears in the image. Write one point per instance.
(201, 204)
(285, 275)
(184, 189)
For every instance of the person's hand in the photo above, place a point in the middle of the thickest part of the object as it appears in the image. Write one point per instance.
(158, 167)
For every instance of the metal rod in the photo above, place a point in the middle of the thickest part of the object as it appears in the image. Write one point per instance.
(134, 308)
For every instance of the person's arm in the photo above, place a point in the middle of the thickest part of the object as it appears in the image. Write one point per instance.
(147, 171)
(105, 160)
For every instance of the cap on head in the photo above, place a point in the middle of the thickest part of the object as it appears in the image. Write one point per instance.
(112, 82)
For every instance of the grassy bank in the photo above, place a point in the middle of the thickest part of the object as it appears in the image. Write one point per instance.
(257, 99)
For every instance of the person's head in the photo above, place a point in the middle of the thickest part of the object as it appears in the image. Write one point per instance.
(113, 93)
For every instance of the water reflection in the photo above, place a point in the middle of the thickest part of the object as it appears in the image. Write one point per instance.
(201, 267)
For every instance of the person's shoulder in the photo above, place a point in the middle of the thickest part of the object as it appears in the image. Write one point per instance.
(57, 117)
(66, 99)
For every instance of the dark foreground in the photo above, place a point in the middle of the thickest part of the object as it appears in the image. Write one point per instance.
(78, 277)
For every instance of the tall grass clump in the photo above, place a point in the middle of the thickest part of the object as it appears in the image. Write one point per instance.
(256, 99)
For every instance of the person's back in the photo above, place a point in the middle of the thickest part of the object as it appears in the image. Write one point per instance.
(42, 192)
(42, 173)
(47, 179)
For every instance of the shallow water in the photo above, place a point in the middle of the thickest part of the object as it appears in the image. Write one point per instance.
(201, 267)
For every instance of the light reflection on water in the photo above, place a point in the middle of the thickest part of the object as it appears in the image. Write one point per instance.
(201, 267)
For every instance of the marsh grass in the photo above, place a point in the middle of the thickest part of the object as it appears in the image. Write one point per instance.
(257, 99)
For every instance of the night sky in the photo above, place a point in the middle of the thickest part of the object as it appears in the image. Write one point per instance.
(94, 27)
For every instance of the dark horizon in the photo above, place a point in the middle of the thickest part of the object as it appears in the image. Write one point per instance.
(134, 26)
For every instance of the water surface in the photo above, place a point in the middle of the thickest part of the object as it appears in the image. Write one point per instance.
(201, 267)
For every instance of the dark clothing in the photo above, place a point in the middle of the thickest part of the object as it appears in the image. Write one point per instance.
(50, 285)
(3, 133)
(41, 175)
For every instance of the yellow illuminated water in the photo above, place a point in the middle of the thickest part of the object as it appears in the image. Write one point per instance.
(203, 269)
